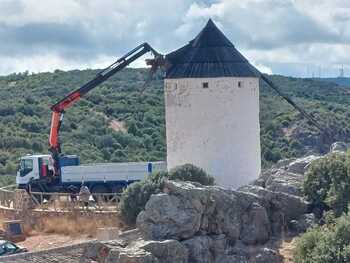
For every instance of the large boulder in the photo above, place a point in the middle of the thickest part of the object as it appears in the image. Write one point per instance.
(168, 216)
(188, 209)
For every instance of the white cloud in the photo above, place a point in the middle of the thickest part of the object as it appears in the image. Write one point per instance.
(277, 36)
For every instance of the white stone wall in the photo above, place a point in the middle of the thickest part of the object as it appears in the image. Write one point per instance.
(216, 128)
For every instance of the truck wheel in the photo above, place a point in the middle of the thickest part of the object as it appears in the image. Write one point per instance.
(100, 189)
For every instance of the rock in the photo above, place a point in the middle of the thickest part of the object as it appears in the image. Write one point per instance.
(219, 244)
(130, 256)
(303, 223)
(138, 251)
(169, 217)
(339, 147)
(199, 249)
(231, 259)
(284, 163)
(266, 255)
(291, 206)
(167, 251)
(300, 165)
(285, 182)
(255, 226)
(188, 209)
(213, 224)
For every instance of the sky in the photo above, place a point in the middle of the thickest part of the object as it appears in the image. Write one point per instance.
(302, 38)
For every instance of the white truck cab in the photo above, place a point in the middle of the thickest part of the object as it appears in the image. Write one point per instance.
(33, 167)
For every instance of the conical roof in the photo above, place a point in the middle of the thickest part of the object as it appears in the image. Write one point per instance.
(210, 54)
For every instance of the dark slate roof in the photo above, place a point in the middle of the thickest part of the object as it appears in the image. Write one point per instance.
(210, 54)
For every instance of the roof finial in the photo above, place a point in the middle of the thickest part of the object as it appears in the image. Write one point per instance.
(210, 22)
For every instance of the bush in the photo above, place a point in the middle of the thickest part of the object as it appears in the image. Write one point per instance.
(189, 172)
(327, 183)
(323, 244)
(135, 197)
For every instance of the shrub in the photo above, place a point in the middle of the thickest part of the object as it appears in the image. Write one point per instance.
(327, 183)
(135, 197)
(323, 244)
(189, 172)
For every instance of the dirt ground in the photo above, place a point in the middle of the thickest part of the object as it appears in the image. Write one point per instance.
(62, 231)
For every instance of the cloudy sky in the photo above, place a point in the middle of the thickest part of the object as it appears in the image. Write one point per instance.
(289, 37)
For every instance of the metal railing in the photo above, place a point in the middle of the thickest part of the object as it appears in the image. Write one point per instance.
(65, 202)
(59, 202)
(7, 197)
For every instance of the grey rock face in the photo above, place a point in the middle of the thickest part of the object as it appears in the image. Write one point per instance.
(303, 223)
(167, 251)
(138, 251)
(199, 249)
(266, 255)
(188, 210)
(285, 182)
(256, 226)
(299, 166)
(175, 218)
(339, 147)
(290, 206)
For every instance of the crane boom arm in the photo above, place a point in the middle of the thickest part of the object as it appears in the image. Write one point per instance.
(71, 98)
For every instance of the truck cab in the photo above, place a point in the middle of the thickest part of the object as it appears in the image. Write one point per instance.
(33, 167)
(40, 167)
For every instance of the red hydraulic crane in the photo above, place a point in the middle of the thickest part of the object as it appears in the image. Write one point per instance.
(59, 108)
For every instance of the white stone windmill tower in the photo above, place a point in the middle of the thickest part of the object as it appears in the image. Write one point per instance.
(212, 109)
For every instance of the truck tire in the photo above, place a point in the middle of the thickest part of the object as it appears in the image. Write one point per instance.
(100, 189)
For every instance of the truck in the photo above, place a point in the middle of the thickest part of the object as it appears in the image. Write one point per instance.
(56, 172)
(34, 173)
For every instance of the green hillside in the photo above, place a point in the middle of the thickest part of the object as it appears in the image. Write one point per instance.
(116, 123)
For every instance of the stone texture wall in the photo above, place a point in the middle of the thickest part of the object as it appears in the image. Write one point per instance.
(216, 128)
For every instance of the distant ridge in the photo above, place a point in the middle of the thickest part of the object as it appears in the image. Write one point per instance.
(345, 82)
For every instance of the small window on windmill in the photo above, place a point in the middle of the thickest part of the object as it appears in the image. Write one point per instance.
(240, 84)
(205, 85)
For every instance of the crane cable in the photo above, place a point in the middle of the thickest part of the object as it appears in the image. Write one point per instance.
(311, 119)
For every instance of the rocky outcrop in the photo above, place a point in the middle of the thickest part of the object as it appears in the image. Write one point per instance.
(210, 221)
(190, 222)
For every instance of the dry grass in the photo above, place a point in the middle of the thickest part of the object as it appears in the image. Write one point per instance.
(287, 250)
(75, 225)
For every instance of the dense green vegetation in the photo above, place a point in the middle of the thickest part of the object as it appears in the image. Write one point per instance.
(135, 197)
(329, 243)
(87, 129)
(7, 180)
(327, 184)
